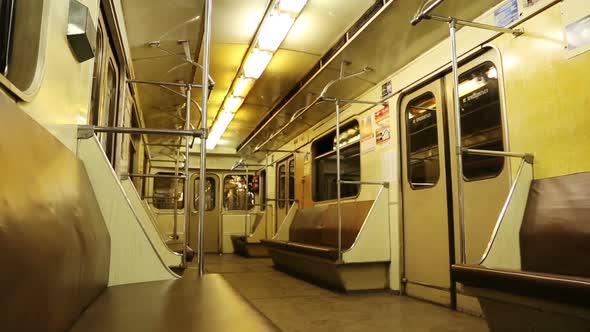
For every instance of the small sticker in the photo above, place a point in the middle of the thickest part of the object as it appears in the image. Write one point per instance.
(386, 89)
(529, 3)
(507, 14)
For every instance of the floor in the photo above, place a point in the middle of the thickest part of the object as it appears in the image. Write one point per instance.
(295, 305)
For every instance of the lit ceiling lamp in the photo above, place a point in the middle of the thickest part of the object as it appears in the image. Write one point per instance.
(273, 30)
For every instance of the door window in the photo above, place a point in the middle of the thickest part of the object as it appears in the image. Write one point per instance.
(281, 186)
(422, 138)
(168, 191)
(236, 192)
(481, 121)
(291, 197)
(210, 197)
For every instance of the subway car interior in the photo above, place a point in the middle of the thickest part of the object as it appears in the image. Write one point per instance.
(294, 165)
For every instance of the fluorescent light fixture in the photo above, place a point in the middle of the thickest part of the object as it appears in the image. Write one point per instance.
(274, 30)
(256, 63)
(243, 86)
(232, 104)
(219, 127)
(292, 6)
(272, 33)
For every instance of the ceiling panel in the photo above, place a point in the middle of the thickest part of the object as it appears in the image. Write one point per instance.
(321, 24)
(386, 45)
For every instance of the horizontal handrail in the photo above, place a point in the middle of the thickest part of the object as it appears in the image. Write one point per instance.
(148, 131)
(160, 176)
(385, 184)
(528, 157)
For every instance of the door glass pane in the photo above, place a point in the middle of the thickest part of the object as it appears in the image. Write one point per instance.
(291, 197)
(236, 193)
(281, 186)
(209, 194)
(481, 121)
(167, 191)
(6, 28)
(422, 138)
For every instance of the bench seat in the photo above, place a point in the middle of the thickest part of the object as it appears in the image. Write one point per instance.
(318, 251)
(310, 248)
(204, 304)
(545, 286)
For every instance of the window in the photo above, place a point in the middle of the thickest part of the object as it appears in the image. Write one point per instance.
(262, 186)
(210, 194)
(281, 186)
(237, 193)
(423, 160)
(324, 154)
(22, 45)
(96, 76)
(110, 107)
(481, 121)
(6, 31)
(168, 191)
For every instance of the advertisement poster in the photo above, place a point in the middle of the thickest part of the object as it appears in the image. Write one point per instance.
(367, 136)
(383, 130)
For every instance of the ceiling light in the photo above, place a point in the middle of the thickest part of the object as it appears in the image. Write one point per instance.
(232, 104)
(274, 30)
(243, 86)
(292, 6)
(256, 63)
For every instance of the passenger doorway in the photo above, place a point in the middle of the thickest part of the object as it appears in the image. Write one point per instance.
(211, 235)
(430, 179)
(285, 189)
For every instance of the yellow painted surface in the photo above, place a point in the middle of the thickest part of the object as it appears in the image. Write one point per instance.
(547, 97)
(64, 97)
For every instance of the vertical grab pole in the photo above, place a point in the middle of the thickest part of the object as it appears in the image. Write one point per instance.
(204, 108)
(338, 193)
(459, 153)
(246, 199)
(187, 205)
(175, 199)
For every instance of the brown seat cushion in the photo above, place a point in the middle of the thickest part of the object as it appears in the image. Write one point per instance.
(552, 287)
(555, 233)
(330, 253)
(204, 304)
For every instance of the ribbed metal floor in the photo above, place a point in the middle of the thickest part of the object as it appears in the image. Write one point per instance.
(296, 305)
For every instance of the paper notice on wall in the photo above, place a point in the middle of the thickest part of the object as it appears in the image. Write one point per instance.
(388, 166)
(382, 130)
(367, 136)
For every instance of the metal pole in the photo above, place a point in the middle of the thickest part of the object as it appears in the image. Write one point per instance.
(204, 108)
(175, 222)
(455, 60)
(247, 219)
(338, 193)
(187, 205)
